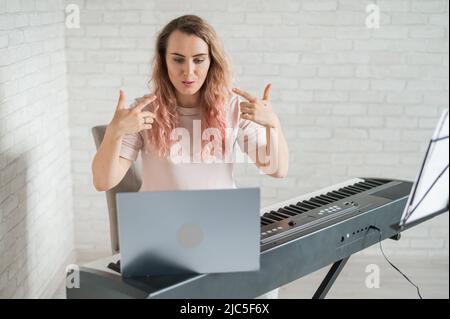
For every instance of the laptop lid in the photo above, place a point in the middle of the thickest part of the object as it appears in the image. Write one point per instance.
(185, 232)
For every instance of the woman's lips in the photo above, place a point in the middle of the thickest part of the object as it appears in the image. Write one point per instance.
(188, 83)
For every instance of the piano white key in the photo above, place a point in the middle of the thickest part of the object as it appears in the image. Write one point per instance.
(322, 191)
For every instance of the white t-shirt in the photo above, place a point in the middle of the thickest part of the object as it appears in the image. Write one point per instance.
(169, 175)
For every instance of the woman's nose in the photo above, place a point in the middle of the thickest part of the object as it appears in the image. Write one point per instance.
(189, 68)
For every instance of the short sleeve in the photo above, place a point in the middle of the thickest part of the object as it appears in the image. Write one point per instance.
(250, 135)
(131, 145)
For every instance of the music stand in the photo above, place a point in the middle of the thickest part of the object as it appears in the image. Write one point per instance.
(430, 192)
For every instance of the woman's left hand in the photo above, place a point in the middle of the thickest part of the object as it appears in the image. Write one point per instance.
(258, 110)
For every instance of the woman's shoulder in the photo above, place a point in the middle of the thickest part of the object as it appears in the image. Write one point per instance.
(233, 108)
(234, 99)
(233, 102)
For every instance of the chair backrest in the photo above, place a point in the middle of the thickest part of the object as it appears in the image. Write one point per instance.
(130, 183)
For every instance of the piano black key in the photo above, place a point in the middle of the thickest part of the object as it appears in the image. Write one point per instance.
(319, 201)
(351, 188)
(281, 215)
(354, 190)
(328, 198)
(339, 194)
(360, 184)
(273, 217)
(348, 191)
(305, 205)
(371, 184)
(297, 209)
(375, 181)
(291, 211)
(336, 198)
(360, 189)
(267, 220)
(367, 185)
(311, 203)
(286, 212)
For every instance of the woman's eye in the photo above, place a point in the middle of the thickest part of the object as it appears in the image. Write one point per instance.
(196, 61)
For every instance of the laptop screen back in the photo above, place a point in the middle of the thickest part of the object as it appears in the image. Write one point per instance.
(185, 232)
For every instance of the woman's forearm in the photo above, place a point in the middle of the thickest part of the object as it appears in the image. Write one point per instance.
(273, 158)
(281, 150)
(105, 165)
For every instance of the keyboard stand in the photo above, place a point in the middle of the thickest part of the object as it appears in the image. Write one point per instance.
(330, 278)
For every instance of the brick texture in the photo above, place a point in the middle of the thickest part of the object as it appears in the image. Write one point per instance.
(353, 101)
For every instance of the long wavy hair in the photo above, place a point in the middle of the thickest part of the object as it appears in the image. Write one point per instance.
(214, 94)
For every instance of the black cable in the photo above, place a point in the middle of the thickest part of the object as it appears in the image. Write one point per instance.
(382, 251)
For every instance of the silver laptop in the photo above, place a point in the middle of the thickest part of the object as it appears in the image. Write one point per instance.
(188, 232)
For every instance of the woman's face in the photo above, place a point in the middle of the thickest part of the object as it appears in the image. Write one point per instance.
(187, 62)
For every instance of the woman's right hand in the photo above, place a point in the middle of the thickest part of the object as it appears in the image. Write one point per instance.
(133, 120)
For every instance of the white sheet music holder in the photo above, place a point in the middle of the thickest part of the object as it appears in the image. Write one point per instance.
(429, 195)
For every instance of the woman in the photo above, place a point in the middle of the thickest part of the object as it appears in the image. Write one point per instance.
(192, 94)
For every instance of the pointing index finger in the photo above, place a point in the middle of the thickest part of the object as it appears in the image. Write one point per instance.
(245, 95)
(142, 104)
(121, 103)
(267, 92)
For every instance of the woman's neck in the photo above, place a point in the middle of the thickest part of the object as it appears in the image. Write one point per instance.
(188, 100)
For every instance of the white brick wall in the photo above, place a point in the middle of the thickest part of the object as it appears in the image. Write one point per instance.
(353, 101)
(36, 216)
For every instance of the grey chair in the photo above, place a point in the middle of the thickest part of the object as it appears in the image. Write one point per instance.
(130, 183)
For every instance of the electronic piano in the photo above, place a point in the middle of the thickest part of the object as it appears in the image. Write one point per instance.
(298, 237)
